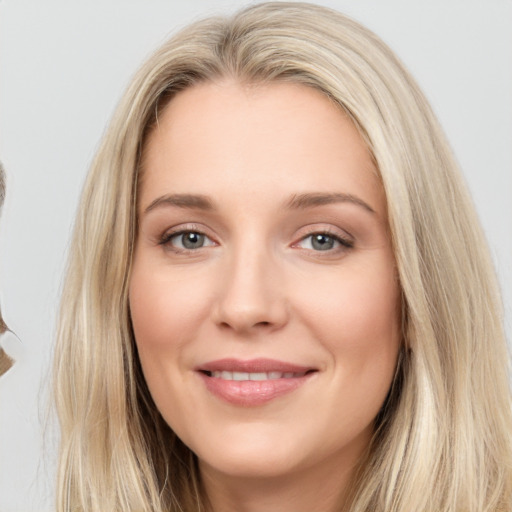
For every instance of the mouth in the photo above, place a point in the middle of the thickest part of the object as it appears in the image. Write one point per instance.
(254, 382)
(255, 376)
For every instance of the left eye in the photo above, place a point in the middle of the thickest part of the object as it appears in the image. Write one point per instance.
(322, 242)
(189, 240)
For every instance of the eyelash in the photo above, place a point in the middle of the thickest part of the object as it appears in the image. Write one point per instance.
(165, 239)
(344, 243)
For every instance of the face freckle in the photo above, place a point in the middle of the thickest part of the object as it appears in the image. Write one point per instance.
(263, 294)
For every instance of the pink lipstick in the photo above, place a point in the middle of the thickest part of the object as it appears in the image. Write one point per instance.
(253, 382)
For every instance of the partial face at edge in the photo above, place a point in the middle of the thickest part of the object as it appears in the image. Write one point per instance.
(263, 254)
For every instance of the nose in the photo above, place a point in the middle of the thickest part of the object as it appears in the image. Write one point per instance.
(251, 297)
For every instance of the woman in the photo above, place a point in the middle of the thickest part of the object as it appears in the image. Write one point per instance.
(278, 294)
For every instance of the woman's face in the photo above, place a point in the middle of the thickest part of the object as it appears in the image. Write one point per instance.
(264, 298)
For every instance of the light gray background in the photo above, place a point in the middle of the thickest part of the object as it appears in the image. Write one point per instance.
(63, 67)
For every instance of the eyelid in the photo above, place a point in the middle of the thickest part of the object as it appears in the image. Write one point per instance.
(345, 239)
(169, 233)
(325, 229)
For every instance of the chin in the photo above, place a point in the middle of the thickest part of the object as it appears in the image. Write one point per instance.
(250, 454)
(250, 465)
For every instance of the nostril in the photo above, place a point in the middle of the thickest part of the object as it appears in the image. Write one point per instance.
(227, 325)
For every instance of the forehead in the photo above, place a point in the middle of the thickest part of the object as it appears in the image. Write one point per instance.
(271, 138)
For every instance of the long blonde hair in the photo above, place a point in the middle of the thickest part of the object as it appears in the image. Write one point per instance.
(442, 438)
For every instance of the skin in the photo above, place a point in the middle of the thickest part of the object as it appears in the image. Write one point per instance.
(259, 287)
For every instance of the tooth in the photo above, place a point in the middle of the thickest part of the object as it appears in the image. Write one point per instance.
(258, 376)
(240, 376)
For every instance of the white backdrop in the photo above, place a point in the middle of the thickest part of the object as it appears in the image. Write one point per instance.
(63, 66)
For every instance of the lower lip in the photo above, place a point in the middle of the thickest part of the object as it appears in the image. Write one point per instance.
(250, 393)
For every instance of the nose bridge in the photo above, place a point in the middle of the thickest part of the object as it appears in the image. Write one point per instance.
(251, 296)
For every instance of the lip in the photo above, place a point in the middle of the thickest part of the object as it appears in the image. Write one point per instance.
(253, 366)
(250, 393)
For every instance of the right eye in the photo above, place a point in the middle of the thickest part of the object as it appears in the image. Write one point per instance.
(187, 240)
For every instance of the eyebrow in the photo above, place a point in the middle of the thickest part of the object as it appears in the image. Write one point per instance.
(297, 201)
(310, 200)
(191, 201)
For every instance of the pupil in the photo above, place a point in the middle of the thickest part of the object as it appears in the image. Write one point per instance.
(192, 240)
(322, 242)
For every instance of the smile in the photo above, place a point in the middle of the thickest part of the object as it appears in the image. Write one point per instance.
(252, 383)
(258, 376)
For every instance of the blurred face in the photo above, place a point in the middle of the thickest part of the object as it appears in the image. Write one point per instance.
(263, 296)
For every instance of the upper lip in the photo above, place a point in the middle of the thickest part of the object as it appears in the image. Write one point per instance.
(260, 365)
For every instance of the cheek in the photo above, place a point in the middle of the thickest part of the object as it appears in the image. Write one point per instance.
(357, 301)
(356, 315)
(165, 308)
(166, 312)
